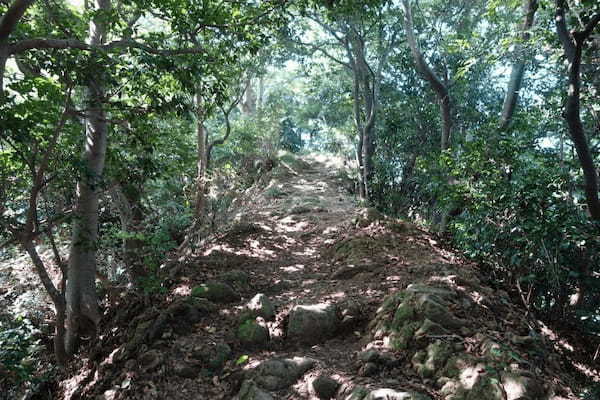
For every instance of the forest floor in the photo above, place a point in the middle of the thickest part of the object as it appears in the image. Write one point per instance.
(364, 307)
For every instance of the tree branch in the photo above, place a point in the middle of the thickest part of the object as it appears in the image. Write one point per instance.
(40, 43)
(13, 15)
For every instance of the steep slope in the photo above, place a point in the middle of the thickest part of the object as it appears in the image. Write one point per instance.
(306, 296)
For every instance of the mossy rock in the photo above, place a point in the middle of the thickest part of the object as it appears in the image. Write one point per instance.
(402, 338)
(213, 357)
(430, 361)
(405, 312)
(294, 162)
(218, 292)
(253, 334)
(358, 393)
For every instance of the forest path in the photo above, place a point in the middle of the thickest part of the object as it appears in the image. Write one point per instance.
(406, 311)
(284, 240)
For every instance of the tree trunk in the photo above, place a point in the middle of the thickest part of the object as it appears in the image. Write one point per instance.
(202, 158)
(579, 138)
(424, 69)
(3, 59)
(129, 208)
(81, 297)
(57, 298)
(518, 69)
(573, 46)
(249, 102)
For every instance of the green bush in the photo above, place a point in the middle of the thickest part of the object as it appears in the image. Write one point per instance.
(518, 211)
(18, 350)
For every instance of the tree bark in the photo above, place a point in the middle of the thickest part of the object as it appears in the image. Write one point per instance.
(82, 301)
(518, 69)
(573, 47)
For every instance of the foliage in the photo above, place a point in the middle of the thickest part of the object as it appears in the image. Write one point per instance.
(19, 347)
(516, 215)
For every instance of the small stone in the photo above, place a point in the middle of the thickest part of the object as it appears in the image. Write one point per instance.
(369, 369)
(358, 393)
(130, 364)
(391, 394)
(150, 360)
(250, 391)
(218, 292)
(369, 356)
(325, 387)
(259, 306)
(277, 374)
(185, 370)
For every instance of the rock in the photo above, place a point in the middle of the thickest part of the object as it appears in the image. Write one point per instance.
(312, 323)
(281, 285)
(349, 271)
(325, 387)
(150, 360)
(358, 393)
(367, 216)
(369, 356)
(185, 370)
(236, 277)
(428, 362)
(433, 308)
(277, 374)
(301, 209)
(518, 386)
(420, 288)
(250, 391)
(369, 369)
(430, 328)
(258, 306)
(253, 334)
(212, 356)
(216, 291)
(391, 394)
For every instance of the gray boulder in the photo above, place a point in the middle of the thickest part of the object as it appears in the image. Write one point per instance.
(218, 292)
(258, 306)
(391, 394)
(313, 323)
(279, 373)
(325, 387)
(250, 391)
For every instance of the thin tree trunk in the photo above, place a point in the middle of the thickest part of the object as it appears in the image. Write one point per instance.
(3, 59)
(128, 205)
(573, 46)
(438, 87)
(82, 300)
(57, 298)
(518, 69)
(202, 158)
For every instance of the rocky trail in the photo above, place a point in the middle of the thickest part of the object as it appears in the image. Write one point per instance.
(306, 296)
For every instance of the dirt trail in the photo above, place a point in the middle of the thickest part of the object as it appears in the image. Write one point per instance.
(299, 238)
